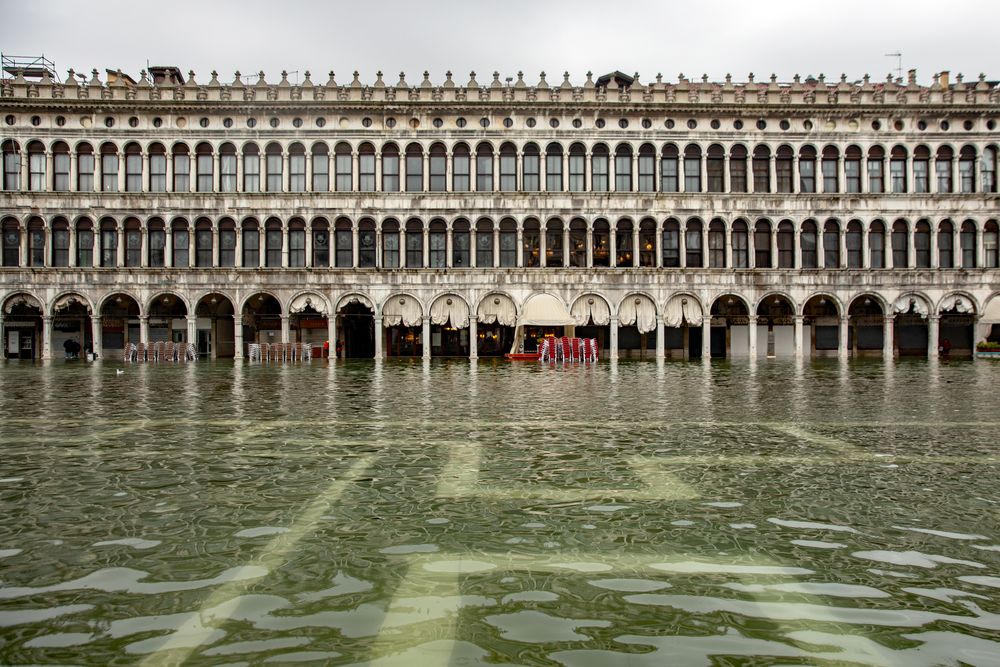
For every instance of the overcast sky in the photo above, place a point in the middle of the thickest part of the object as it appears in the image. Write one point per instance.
(646, 36)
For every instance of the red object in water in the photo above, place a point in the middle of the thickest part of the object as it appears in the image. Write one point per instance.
(523, 356)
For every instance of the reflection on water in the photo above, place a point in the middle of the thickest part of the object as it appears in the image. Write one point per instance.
(446, 513)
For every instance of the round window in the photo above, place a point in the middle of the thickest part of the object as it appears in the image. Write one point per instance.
(320, 122)
(784, 125)
(599, 123)
(669, 123)
(227, 123)
(484, 122)
(36, 120)
(251, 122)
(297, 122)
(109, 122)
(553, 123)
(203, 122)
(715, 124)
(366, 121)
(646, 123)
(761, 124)
(577, 123)
(390, 122)
(460, 122)
(274, 122)
(9, 119)
(692, 123)
(437, 122)
(158, 122)
(623, 123)
(737, 124)
(530, 122)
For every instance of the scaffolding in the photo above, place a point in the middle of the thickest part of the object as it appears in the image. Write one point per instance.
(30, 67)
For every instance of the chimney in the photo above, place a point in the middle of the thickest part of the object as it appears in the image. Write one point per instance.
(944, 79)
(911, 77)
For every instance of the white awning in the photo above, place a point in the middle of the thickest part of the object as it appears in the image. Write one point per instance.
(497, 308)
(67, 301)
(992, 313)
(19, 299)
(402, 309)
(303, 301)
(545, 310)
(450, 308)
(682, 309)
(638, 310)
(957, 303)
(591, 308)
(908, 303)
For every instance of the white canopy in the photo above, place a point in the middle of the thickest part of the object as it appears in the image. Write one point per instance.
(545, 310)
(591, 308)
(404, 309)
(497, 308)
(904, 303)
(992, 312)
(67, 301)
(21, 298)
(450, 308)
(957, 303)
(639, 310)
(303, 301)
(680, 310)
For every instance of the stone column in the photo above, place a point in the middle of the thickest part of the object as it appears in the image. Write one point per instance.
(120, 253)
(449, 171)
(589, 234)
(797, 175)
(47, 254)
(379, 338)
(496, 245)
(658, 244)
(841, 174)
(239, 173)
(842, 335)
(866, 260)
(192, 329)
(773, 173)
(865, 185)
(752, 337)
(496, 172)
(636, 250)
(706, 338)
(144, 329)
(635, 172)
(729, 249)
(799, 331)
(888, 346)
(331, 334)
(425, 176)
(980, 251)
(520, 246)
(72, 256)
(448, 247)
(285, 175)
(121, 173)
(473, 337)
(284, 246)
(378, 172)
(613, 245)
(354, 245)
(821, 246)
(309, 172)
(703, 174)
(96, 335)
(726, 185)
(682, 245)
(331, 172)
(285, 328)
(588, 171)
(567, 249)
(933, 331)
(73, 183)
(426, 337)
(216, 175)
(659, 338)
(46, 337)
(427, 247)
(542, 245)
(237, 337)
(613, 344)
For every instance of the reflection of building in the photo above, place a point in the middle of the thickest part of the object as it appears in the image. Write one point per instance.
(677, 219)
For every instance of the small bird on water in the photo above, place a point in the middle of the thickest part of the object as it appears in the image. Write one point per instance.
(119, 371)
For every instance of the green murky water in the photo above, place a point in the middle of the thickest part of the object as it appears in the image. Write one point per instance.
(448, 514)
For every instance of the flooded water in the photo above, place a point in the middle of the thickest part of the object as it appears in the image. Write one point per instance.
(453, 514)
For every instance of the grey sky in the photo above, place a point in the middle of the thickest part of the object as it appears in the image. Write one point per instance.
(704, 36)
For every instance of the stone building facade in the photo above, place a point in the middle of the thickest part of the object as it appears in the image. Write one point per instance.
(680, 219)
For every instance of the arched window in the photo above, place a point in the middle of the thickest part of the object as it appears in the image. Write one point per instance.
(876, 245)
(831, 244)
(484, 168)
(900, 245)
(202, 240)
(554, 168)
(60, 166)
(715, 167)
(438, 166)
(390, 244)
(156, 244)
(60, 242)
(296, 168)
(273, 243)
(624, 254)
(807, 245)
(36, 167)
(274, 167)
(12, 166)
(897, 168)
(320, 242)
(968, 241)
(530, 243)
(967, 169)
(437, 244)
(741, 248)
(853, 242)
(182, 168)
(989, 169)
(852, 169)
(366, 168)
(577, 243)
(623, 168)
(668, 169)
(484, 243)
(647, 242)
(599, 168)
(807, 169)
(109, 167)
(181, 243)
(991, 244)
(251, 243)
(647, 168)
(157, 167)
(414, 168)
(717, 244)
(390, 168)
(460, 168)
(876, 170)
(601, 243)
(783, 168)
(738, 168)
(36, 242)
(762, 244)
(227, 242)
(921, 169)
(204, 166)
(320, 167)
(85, 242)
(296, 243)
(761, 169)
(692, 241)
(831, 180)
(342, 167)
(367, 243)
(508, 168)
(786, 245)
(577, 168)
(692, 168)
(251, 168)
(414, 244)
(460, 248)
(84, 168)
(343, 244)
(133, 243)
(922, 244)
(10, 237)
(554, 242)
(228, 168)
(943, 168)
(530, 179)
(508, 242)
(671, 243)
